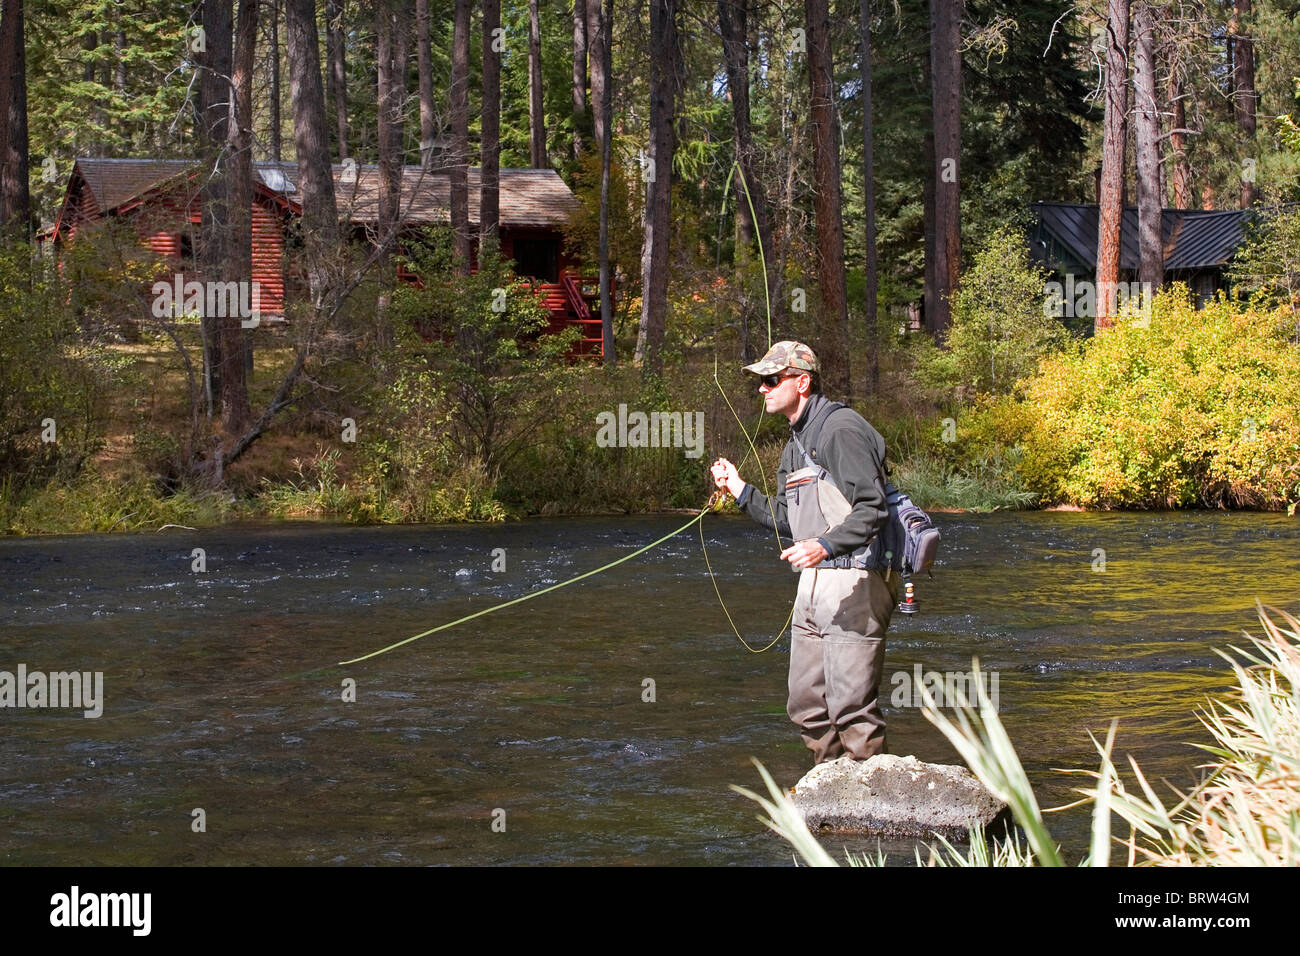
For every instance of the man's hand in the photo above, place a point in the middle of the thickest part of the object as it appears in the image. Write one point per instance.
(726, 476)
(805, 554)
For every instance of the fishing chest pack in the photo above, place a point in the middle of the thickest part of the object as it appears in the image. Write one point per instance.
(909, 541)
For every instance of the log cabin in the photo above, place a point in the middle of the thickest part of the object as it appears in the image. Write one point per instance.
(162, 199)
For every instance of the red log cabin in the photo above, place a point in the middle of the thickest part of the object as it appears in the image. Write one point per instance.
(161, 198)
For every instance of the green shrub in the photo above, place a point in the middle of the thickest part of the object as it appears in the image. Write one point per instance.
(999, 327)
(472, 383)
(93, 503)
(1198, 407)
(52, 377)
(1268, 263)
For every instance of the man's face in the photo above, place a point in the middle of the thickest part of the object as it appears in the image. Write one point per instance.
(783, 397)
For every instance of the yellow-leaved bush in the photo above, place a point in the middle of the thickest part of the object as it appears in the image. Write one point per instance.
(1186, 407)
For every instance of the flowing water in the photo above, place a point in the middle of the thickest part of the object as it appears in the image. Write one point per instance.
(525, 737)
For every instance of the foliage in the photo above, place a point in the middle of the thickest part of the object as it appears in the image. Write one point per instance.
(567, 471)
(1196, 407)
(487, 365)
(999, 329)
(108, 273)
(475, 378)
(105, 78)
(1268, 262)
(625, 230)
(991, 484)
(1287, 130)
(49, 372)
(1243, 813)
(91, 503)
(1024, 111)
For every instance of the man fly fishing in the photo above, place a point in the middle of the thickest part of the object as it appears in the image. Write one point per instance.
(831, 500)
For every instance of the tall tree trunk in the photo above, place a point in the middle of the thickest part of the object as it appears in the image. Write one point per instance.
(119, 67)
(792, 154)
(930, 240)
(536, 114)
(424, 54)
(1146, 122)
(388, 176)
(594, 65)
(945, 54)
(1243, 88)
(489, 209)
(928, 282)
(869, 199)
(320, 225)
(1110, 213)
(658, 203)
(390, 71)
(602, 102)
(1182, 169)
(459, 169)
(320, 221)
(391, 46)
(15, 196)
(580, 42)
(215, 97)
(833, 344)
(335, 51)
(273, 36)
(733, 27)
(238, 267)
(733, 18)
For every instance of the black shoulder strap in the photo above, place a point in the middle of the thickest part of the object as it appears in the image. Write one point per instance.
(825, 411)
(814, 436)
(817, 424)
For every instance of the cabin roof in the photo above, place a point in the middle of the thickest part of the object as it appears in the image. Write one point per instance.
(530, 198)
(115, 182)
(1193, 238)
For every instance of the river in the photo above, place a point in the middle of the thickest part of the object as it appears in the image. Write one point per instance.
(527, 736)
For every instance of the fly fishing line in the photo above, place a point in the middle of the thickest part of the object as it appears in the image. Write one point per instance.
(529, 596)
(762, 473)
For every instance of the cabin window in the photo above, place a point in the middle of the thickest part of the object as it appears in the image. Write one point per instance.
(538, 258)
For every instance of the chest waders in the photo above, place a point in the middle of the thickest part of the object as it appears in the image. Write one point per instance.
(815, 504)
(907, 542)
(837, 643)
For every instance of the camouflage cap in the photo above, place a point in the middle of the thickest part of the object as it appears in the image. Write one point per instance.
(785, 355)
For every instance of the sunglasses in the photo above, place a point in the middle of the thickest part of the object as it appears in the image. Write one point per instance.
(772, 381)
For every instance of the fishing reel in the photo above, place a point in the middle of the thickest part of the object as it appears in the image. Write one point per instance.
(717, 501)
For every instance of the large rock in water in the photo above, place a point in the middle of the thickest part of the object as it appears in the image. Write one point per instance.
(900, 796)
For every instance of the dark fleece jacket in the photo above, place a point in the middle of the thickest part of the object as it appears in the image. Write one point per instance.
(854, 453)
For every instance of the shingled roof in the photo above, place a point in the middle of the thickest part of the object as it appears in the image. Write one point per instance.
(1193, 238)
(535, 198)
(115, 182)
(528, 198)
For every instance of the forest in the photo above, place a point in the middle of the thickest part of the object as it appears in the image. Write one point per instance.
(475, 229)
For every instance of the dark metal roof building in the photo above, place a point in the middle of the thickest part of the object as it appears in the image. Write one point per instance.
(1198, 243)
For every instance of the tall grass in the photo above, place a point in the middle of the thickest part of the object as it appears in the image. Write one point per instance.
(1245, 812)
(974, 486)
(93, 502)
